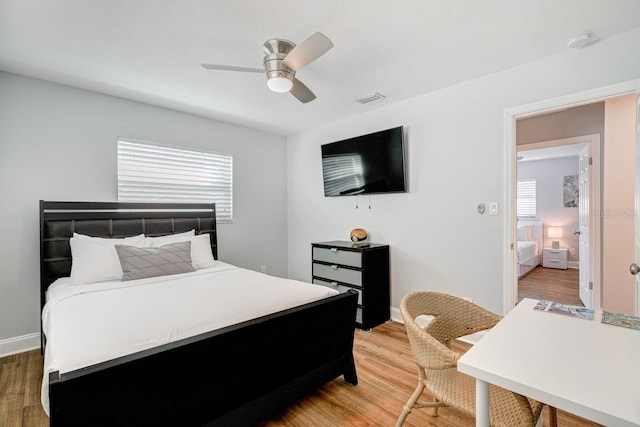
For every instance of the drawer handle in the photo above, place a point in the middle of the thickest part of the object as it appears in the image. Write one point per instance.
(335, 267)
(334, 249)
(553, 260)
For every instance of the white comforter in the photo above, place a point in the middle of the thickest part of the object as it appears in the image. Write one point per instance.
(527, 251)
(89, 324)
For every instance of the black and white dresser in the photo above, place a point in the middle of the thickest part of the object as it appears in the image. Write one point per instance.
(364, 267)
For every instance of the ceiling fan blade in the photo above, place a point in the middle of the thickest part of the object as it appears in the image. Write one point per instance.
(232, 68)
(310, 49)
(300, 91)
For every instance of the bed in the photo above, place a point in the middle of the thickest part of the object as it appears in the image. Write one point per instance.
(528, 245)
(236, 374)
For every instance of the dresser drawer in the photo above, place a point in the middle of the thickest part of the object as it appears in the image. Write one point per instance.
(554, 258)
(337, 273)
(338, 287)
(555, 263)
(336, 256)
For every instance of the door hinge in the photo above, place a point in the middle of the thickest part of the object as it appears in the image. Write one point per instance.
(590, 161)
(590, 286)
(511, 246)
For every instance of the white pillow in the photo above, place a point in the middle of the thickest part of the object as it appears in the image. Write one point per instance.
(523, 233)
(94, 259)
(201, 256)
(168, 239)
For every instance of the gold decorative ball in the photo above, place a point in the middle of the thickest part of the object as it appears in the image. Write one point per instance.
(358, 234)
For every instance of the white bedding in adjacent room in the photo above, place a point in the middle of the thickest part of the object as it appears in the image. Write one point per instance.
(527, 251)
(89, 324)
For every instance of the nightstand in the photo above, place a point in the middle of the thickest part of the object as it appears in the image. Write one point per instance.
(555, 258)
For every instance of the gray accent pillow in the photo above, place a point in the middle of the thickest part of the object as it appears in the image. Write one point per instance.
(139, 263)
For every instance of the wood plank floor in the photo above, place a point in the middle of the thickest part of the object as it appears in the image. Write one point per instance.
(20, 379)
(386, 375)
(551, 284)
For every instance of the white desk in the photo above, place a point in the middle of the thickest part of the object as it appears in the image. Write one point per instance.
(584, 367)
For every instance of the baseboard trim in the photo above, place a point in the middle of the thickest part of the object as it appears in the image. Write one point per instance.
(573, 264)
(19, 344)
(396, 316)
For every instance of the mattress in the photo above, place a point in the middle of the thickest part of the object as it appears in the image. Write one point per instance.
(89, 324)
(527, 250)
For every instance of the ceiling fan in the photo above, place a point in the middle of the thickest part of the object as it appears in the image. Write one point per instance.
(282, 59)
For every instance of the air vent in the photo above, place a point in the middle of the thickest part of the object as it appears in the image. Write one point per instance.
(371, 98)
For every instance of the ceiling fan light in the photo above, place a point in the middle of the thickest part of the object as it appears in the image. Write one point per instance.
(279, 84)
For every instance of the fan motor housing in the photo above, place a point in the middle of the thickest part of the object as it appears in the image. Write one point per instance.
(278, 46)
(275, 51)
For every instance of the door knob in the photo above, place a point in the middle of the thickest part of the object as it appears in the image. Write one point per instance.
(576, 233)
(634, 268)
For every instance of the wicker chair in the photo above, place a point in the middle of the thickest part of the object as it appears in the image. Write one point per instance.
(436, 362)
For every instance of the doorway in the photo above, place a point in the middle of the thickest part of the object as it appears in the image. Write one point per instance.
(538, 109)
(554, 204)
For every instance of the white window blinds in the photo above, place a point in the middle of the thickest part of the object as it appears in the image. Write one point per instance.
(526, 198)
(153, 173)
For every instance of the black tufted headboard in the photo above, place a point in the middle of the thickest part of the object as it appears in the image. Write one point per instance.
(59, 220)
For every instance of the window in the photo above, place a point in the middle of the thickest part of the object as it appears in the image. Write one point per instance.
(153, 173)
(526, 198)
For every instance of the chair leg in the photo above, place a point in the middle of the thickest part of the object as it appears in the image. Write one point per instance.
(435, 408)
(553, 417)
(413, 400)
(411, 403)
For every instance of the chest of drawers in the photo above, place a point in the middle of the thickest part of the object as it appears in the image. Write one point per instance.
(554, 258)
(344, 265)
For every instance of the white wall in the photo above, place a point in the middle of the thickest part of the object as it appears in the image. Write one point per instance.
(549, 199)
(59, 143)
(456, 159)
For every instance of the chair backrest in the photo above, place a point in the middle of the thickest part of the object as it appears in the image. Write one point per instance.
(453, 317)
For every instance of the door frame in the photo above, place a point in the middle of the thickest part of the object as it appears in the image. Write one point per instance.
(636, 203)
(595, 200)
(529, 110)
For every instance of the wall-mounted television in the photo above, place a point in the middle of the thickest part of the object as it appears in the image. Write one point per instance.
(367, 164)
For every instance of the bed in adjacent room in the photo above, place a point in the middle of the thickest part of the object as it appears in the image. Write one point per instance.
(200, 343)
(528, 245)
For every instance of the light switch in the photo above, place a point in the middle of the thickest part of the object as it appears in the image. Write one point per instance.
(493, 208)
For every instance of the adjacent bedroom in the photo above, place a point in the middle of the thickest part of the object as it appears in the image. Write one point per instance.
(307, 213)
(547, 225)
(572, 242)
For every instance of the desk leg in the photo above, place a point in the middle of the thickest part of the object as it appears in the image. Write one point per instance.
(482, 403)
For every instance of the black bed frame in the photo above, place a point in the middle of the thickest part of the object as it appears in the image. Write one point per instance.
(237, 375)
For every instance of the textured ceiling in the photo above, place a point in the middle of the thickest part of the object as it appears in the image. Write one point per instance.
(150, 50)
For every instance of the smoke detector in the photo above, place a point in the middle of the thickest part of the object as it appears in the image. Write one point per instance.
(580, 40)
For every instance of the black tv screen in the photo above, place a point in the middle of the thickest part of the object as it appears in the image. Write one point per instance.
(366, 164)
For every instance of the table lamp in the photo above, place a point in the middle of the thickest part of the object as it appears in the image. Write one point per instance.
(555, 233)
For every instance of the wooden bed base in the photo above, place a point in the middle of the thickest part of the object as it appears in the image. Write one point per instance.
(238, 375)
